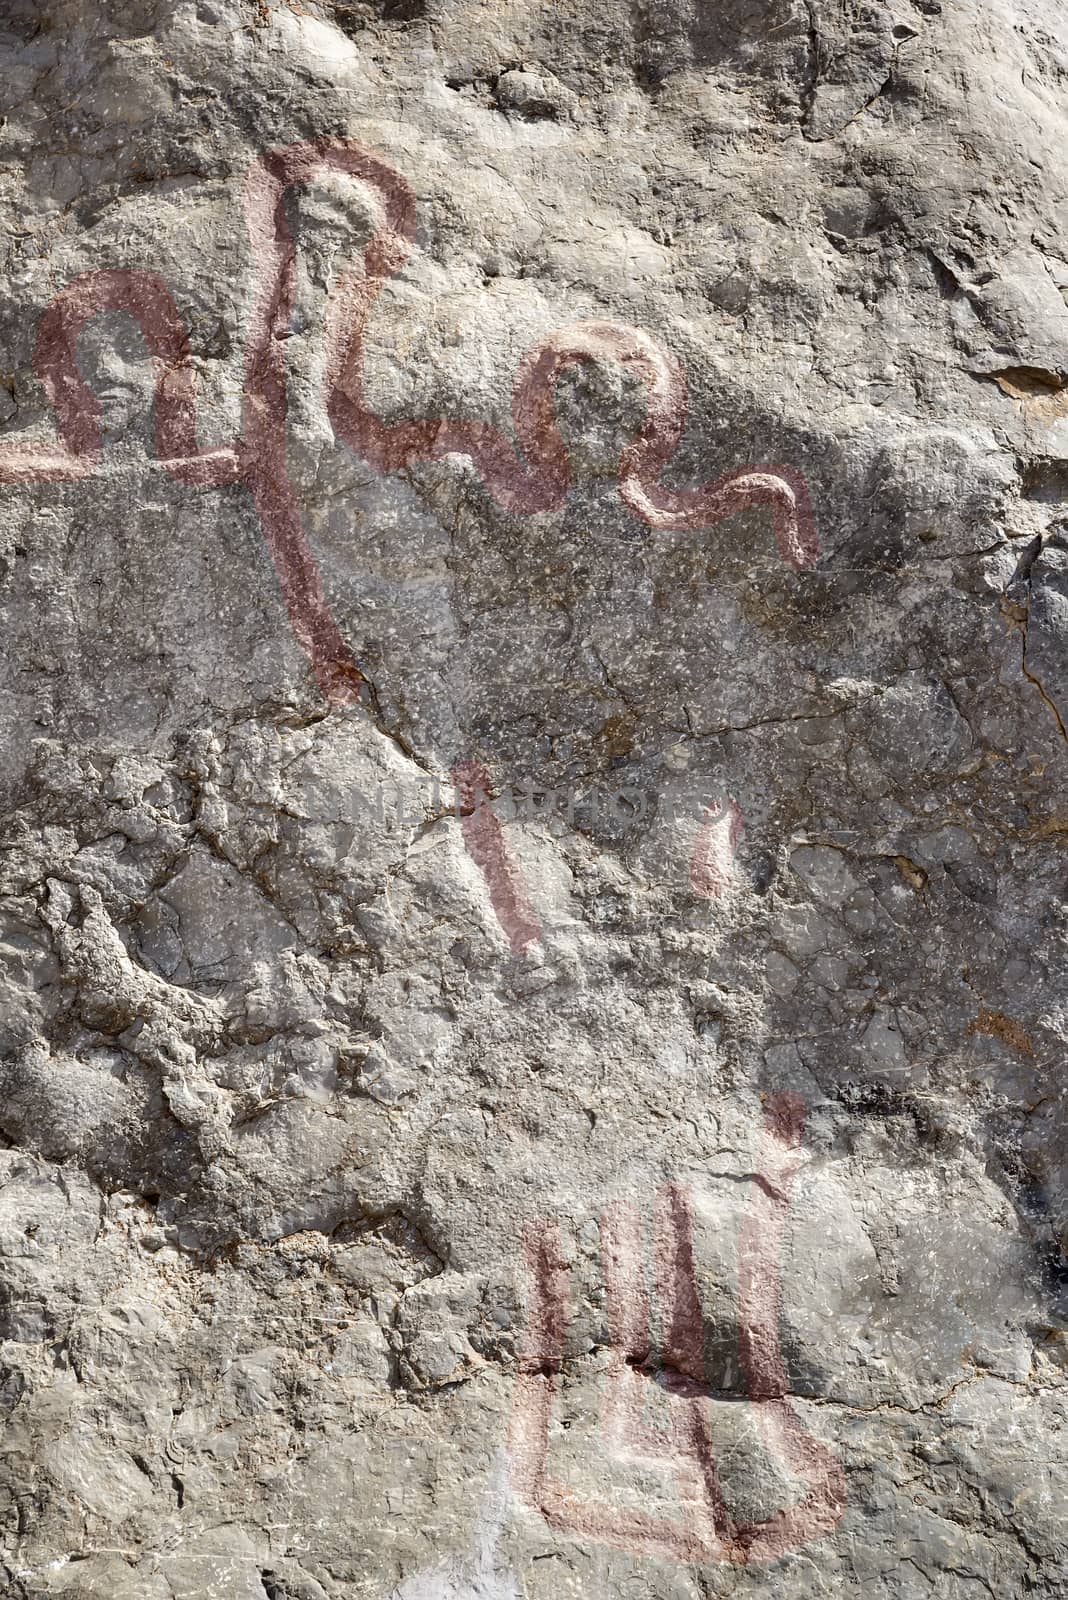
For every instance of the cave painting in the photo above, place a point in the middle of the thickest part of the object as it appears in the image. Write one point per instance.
(484, 837)
(718, 838)
(530, 475)
(704, 1530)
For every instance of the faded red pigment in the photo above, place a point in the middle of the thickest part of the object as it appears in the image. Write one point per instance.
(718, 838)
(484, 837)
(707, 1531)
(537, 479)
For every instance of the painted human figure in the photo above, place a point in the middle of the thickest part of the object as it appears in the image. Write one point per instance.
(528, 474)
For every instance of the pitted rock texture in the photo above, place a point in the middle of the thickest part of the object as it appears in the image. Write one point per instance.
(282, 1107)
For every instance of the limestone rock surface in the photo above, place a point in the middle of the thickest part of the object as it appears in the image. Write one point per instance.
(654, 1183)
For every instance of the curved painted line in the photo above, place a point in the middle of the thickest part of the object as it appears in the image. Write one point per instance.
(530, 476)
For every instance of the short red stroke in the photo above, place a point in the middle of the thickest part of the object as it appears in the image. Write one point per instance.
(718, 838)
(484, 836)
(707, 1531)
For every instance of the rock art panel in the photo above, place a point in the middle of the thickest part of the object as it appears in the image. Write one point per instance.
(532, 581)
(705, 1531)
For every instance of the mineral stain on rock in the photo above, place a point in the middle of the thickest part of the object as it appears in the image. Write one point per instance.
(352, 16)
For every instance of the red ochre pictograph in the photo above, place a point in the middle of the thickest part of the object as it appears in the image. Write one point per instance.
(484, 838)
(705, 1531)
(529, 476)
(718, 838)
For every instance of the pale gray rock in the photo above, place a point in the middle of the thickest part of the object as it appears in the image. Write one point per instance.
(279, 1099)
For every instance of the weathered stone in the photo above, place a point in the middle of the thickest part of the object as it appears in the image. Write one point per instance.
(534, 1070)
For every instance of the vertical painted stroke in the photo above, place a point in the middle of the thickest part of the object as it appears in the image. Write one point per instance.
(718, 838)
(820, 1509)
(540, 1356)
(710, 1533)
(484, 837)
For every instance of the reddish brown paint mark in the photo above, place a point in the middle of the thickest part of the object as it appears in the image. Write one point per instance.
(628, 1330)
(710, 1533)
(718, 838)
(766, 1381)
(534, 477)
(538, 479)
(628, 1303)
(484, 837)
(683, 1323)
(539, 1361)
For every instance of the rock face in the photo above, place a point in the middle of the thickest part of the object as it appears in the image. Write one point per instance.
(534, 581)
